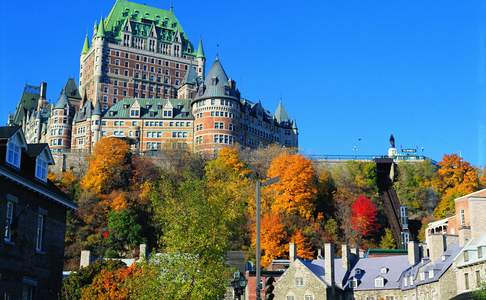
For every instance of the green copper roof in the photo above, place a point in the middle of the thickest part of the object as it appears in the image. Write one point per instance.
(142, 17)
(101, 29)
(200, 50)
(86, 45)
(150, 108)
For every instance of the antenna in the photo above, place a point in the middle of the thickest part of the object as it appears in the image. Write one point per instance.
(217, 51)
(172, 5)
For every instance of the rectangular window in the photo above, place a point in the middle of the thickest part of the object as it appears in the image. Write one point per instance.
(466, 281)
(478, 278)
(463, 219)
(480, 252)
(8, 221)
(308, 297)
(290, 298)
(13, 154)
(39, 242)
(466, 255)
(299, 281)
(41, 169)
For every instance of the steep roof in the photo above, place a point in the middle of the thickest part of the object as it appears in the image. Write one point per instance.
(200, 50)
(142, 17)
(216, 84)
(97, 109)
(7, 131)
(27, 103)
(100, 31)
(150, 108)
(281, 114)
(62, 101)
(71, 89)
(370, 269)
(85, 45)
(191, 76)
(34, 150)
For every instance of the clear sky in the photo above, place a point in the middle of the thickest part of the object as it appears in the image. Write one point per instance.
(345, 70)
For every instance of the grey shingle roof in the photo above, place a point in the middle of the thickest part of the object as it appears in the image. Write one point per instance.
(62, 101)
(150, 108)
(439, 267)
(370, 269)
(216, 84)
(191, 76)
(280, 113)
(316, 266)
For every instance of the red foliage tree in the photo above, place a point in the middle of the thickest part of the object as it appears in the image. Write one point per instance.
(363, 216)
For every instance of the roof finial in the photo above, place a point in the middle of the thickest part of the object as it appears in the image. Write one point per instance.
(217, 51)
(172, 5)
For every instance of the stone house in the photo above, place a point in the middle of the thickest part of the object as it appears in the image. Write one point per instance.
(33, 218)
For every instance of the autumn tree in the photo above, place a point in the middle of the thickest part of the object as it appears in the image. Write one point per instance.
(304, 247)
(124, 231)
(387, 240)
(364, 216)
(273, 238)
(455, 177)
(482, 180)
(110, 284)
(109, 166)
(296, 191)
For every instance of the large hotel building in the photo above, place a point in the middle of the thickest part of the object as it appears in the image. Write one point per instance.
(141, 79)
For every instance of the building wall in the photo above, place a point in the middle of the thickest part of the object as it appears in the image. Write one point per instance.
(286, 284)
(477, 217)
(378, 295)
(19, 261)
(472, 275)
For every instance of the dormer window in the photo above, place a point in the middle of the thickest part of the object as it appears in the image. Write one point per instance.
(167, 113)
(405, 281)
(379, 282)
(384, 270)
(353, 283)
(466, 255)
(358, 271)
(431, 274)
(13, 153)
(41, 169)
(134, 113)
(422, 275)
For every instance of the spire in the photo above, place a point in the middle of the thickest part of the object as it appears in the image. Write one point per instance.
(101, 29)
(280, 113)
(85, 46)
(95, 28)
(97, 109)
(200, 50)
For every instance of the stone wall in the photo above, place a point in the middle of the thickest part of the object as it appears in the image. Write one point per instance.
(471, 271)
(312, 285)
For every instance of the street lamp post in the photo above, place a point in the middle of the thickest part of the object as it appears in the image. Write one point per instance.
(259, 184)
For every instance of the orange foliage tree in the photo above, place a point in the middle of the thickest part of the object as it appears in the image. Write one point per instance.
(482, 180)
(455, 177)
(273, 238)
(108, 285)
(109, 166)
(296, 191)
(304, 246)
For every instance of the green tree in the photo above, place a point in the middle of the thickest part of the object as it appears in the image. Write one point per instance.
(179, 276)
(387, 240)
(124, 231)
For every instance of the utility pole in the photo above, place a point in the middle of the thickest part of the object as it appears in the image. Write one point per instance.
(258, 185)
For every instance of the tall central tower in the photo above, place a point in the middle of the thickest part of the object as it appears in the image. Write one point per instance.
(137, 51)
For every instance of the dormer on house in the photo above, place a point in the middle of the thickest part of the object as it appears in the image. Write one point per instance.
(15, 143)
(135, 110)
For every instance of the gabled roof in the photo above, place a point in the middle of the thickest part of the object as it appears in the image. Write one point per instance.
(33, 150)
(477, 194)
(8, 131)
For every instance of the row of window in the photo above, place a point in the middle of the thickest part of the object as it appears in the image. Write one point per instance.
(146, 59)
(223, 139)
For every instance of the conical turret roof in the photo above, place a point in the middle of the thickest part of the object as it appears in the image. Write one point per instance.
(216, 84)
(97, 109)
(62, 101)
(100, 32)
(200, 50)
(280, 113)
(85, 45)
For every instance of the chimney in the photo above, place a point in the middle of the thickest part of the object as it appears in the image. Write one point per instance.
(319, 254)
(43, 90)
(85, 258)
(436, 245)
(464, 235)
(413, 253)
(143, 252)
(292, 251)
(345, 257)
(329, 268)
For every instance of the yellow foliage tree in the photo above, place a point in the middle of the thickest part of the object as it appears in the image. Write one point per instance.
(304, 246)
(296, 191)
(109, 166)
(455, 177)
(482, 180)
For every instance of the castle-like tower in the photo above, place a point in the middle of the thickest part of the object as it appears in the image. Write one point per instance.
(137, 51)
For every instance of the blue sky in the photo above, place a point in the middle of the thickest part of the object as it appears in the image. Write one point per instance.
(344, 69)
